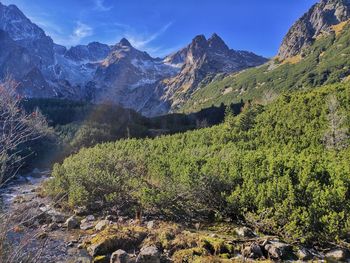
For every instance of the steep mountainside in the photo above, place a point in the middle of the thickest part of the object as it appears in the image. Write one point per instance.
(325, 61)
(319, 19)
(200, 62)
(120, 74)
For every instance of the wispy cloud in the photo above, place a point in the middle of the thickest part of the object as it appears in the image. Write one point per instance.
(100, 6)
(81, 31)
(78, 34)
(142, 41)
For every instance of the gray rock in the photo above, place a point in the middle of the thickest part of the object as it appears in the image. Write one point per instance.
(101, 225)
(337, 255)
(58, 218)
(245, 232)
(279, 250)
(253, 251)
(90, 218)
(317, 20)
(87, 225)
(304, 254)
(120, 256)
(72, 223)
(148, 255)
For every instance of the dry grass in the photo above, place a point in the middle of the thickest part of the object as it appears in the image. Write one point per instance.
(339, 27)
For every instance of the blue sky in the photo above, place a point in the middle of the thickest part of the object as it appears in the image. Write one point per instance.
(163, 26)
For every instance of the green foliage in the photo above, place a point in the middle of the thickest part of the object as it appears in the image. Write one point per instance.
(268, 163)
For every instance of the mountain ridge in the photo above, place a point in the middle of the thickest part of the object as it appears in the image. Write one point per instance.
(119, 73)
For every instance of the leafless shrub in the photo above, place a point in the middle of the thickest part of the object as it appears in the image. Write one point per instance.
(16, 128)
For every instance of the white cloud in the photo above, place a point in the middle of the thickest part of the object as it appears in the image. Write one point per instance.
(80, 31)
(100, 6)
(143, 41)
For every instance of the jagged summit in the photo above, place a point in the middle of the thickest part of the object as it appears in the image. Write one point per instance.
(216, 42)
(120, 73)
(124, 42)
(319, 19)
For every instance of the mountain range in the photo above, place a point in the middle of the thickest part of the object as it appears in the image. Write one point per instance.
(314, 52)
(120, 73)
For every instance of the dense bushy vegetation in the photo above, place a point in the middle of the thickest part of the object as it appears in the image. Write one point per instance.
(325, 62)
(80, 124)
(283, 168)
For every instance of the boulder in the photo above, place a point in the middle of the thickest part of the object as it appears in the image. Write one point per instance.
(72, 223)
(304, 254)
(58, 218)
(149, 254)
(337, 255)
(101, 225)
(120, 256)
(245, 232)
(253, 251)
(279, 250)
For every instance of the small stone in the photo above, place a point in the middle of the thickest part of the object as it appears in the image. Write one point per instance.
(120, 256)
(148, 255)
(58, 218)
(72, 223)
(90, 218)
(245, 232)
(150, 225)
(338, 254)
(87, 225)
(102, 225)
(304, 254)
(70, 244)
(52, 227)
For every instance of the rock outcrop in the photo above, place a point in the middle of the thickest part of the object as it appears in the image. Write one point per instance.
(319, 19)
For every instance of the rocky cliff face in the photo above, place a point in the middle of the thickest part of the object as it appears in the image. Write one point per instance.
(200, 62)
(119, 74)
(319, 19)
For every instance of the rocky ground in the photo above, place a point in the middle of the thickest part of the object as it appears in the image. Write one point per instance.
(56, 236)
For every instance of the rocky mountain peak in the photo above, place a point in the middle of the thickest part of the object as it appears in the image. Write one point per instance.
(199, 42)
(17, 25)
(124, 43)
(216, 42)
(319, 19)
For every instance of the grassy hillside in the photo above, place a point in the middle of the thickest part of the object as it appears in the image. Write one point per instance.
(326, 62)
(283, 169)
